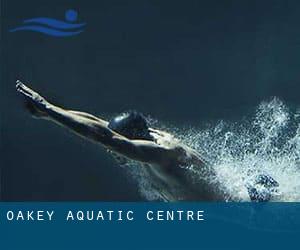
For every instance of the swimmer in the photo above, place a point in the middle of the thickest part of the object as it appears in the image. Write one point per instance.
(129, 136)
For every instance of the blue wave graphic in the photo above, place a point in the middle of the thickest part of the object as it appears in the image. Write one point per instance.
(47, 31)
(55, 27)
(53, 23)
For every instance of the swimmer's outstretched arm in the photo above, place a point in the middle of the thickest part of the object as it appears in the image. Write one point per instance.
(95, 129)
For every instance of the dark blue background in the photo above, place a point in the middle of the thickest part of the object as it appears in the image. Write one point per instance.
(182, 62)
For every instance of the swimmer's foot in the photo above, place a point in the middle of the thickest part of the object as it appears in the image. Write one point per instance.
(34, 103)
(263, 188)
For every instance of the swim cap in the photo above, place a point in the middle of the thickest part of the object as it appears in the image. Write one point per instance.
(132, 125)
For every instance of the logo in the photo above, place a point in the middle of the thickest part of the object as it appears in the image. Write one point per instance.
(53, 27)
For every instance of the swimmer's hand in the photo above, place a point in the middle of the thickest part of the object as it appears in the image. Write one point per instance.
(35, 103)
